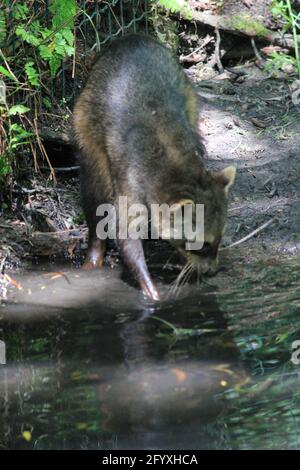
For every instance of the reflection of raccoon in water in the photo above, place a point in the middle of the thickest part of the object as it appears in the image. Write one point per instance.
(135, 126)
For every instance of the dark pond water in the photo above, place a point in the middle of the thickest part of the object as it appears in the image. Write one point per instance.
(91, 364)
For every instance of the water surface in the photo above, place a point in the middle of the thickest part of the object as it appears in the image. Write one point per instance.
(92, 364)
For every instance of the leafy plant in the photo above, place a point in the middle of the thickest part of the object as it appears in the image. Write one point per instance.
(282, 9)
(32, 73)
(177, 6)
(2, 26)
(53, 44)
(280, 61)
(43, 42)
(14, 133)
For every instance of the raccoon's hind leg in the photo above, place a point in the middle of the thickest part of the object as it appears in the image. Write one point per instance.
(133, 255)
(95, 255)
(90, 201)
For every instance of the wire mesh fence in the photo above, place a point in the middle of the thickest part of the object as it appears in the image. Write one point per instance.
(103, 20)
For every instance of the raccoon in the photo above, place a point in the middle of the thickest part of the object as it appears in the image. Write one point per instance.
(136, 132)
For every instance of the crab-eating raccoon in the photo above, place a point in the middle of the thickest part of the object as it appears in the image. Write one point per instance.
(136, 133)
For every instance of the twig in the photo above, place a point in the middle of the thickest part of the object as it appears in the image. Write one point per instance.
(247, 3)
(217, 51)
(2, 265)
(43, 150)
(62, 169)
(250, 235)
(257, 54)
(74, 56)
(7, 226)
(8, 67)
(295, 26)
(58, 232)
(206, 41)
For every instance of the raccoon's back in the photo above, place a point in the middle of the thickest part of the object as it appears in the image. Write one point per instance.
(135, 80)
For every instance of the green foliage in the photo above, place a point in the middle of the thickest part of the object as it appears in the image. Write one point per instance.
(280, 61)
(19, 136)
(177, 6)
(2, 26)
(248, 25)
(6, 72)
(283, 10)
(53, 44)
(32, 73)
(29, 62)
(14, 133)
(63, 14)
(20, 12)
(18, 109)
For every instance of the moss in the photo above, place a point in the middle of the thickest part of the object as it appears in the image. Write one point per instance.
(246, 24)
(166, 30)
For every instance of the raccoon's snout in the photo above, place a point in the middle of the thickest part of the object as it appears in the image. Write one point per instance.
(204, 264)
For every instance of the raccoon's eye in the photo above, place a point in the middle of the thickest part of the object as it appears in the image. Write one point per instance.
(206, 250)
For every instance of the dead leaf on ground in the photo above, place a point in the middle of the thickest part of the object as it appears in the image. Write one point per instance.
(56, 275)
(269, 50)
(12, 281)
(71, 249)
(258, 123)
(180, 375)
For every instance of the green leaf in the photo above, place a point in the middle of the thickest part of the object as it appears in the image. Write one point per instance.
(20, 12)
(27, 36)
(32, 74)
(69, 50)
(46, 33)
(20, 136)
(54, 63)
(45, 52)
(18, 109)
(64, 12)
(47, 103)
(177, 6)
(4, 166)
(68, 35)
(7, 73)
(2, 26)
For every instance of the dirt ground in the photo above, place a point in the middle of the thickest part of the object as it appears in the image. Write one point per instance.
(248, 120)
(255, 126)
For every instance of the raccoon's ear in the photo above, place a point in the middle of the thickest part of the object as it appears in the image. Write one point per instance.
(226, 177)
(179, 205)
(182, 202)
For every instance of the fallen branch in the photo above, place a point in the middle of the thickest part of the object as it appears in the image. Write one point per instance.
(62, 169)
(218, 52)
(230, 25)
(58, 137)
(257, 55)
(250, 235)
(191, 56)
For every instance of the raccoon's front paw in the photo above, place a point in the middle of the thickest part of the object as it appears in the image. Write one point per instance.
(93, 260)
(150, 290)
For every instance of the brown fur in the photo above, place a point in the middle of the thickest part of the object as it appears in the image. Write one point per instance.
(136, 132)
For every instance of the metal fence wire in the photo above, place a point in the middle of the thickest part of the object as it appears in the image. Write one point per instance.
(103, 20)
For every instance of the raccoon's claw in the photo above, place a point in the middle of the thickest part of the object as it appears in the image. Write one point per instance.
(133, 255)
(90, 264)
(150, 291)
(95, 255)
